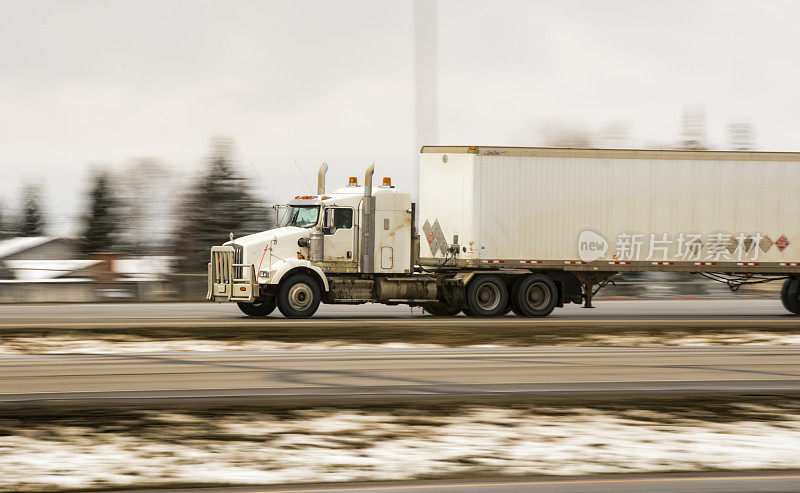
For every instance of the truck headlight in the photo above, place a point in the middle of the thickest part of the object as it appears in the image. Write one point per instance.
(263, 273)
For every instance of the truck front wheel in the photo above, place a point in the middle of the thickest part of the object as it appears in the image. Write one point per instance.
(299, 296)
(259, 308)
(790, 295)
(535, 295)
(487, 296)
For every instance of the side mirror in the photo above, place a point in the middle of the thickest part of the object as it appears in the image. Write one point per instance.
(327, 223)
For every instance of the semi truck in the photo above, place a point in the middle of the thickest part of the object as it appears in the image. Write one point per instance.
(528, 230)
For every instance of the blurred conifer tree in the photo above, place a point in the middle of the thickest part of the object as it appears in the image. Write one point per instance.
(220, 202)
(4, 233)
(102, 223)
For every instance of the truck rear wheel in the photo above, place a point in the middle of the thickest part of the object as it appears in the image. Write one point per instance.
(440, 309)
(790, 295)
(258, 308)
(535, 295)
(487, 296)
(299, 296)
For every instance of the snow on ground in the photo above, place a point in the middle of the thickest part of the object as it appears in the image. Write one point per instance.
(133, 344)
(745, 338)
(348, 445)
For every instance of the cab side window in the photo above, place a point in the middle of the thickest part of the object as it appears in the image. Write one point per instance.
(343, 218)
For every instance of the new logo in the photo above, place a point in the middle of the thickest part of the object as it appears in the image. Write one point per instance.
(591, 246)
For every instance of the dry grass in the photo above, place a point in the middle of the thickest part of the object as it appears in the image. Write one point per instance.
(534, 334)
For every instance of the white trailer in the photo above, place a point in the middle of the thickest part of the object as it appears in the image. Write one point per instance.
(524, 229)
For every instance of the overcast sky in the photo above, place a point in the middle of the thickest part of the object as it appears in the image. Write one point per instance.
(103, 83)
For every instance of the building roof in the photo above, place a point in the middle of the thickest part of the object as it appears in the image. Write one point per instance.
(149, 268)
(39, 270)
(20, 244)
(58, 280)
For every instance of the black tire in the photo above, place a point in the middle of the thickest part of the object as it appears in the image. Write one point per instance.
(440, 309)
(259, 308)
(535, 295)
(487, 296)
(299, 296)
(790, 295)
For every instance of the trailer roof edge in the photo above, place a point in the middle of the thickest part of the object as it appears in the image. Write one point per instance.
(616, 153)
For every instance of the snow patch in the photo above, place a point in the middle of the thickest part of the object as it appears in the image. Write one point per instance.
(336, 445)
(134, 344)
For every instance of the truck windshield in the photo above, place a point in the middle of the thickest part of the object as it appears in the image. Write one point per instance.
(302, 216)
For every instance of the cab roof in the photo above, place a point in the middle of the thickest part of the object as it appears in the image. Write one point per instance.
(338, 194)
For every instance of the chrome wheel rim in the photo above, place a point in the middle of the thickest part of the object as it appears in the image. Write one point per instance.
(538, 296)
(300, 296)
(488, 296)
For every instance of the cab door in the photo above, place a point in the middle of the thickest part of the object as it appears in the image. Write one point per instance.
(339, 235)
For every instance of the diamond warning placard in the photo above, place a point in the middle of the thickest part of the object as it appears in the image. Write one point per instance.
(430, 237)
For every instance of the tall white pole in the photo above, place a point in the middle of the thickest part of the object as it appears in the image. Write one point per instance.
(426, 80)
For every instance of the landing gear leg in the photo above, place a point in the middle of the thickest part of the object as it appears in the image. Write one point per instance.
(588, 281)
(588, 294)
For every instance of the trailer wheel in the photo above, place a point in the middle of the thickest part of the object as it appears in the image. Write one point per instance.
(259, 308)
(440, 309)
(298, 296)
(487, 296)
(535, 295)
(790, 295)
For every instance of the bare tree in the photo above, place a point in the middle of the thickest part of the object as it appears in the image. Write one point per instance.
(741, 134)
(148, 202)
(613, 135)
(693, 128)
(570, 135)
(31, 221)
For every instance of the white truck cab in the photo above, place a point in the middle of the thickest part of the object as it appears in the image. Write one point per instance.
(351, 231)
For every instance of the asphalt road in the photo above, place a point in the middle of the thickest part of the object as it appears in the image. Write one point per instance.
(727, 312)
(781, 482)
(380, 374)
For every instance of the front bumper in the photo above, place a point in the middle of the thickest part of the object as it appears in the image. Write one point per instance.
(229, 280)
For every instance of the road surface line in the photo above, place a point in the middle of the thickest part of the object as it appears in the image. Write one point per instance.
(534, 483)
(417, 322)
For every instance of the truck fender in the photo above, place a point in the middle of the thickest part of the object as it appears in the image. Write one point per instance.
(285, 267)
(463, 278)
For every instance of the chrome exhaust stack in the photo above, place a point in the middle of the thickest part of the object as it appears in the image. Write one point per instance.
(368, 224)
(368, 180)
(321, 178)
